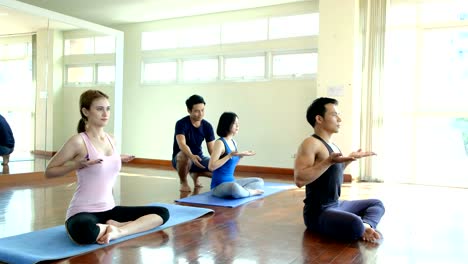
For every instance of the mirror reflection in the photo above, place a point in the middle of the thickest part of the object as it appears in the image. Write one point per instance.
(44, 66)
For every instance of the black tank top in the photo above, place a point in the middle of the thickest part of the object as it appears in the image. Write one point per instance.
(326, 189)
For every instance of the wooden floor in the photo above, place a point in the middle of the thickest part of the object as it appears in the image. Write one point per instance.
(422, 224)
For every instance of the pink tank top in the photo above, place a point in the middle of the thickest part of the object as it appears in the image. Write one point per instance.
(94, 184)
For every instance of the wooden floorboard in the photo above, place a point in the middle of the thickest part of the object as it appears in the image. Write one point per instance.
(422, 224)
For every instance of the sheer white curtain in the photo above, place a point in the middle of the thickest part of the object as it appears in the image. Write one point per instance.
(372, 25)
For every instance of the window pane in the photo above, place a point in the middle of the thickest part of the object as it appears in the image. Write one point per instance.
(247, 67)
(200, 36)
(444, 64)
(441, 12)
(294, 64)
(79, 46)
(200, 70)
(14, 51)
(159, 40)
(294, 26)
(253, 30)
(105, 73)
(80, 74)
(16, 84)
(105, 44)
(160, 72)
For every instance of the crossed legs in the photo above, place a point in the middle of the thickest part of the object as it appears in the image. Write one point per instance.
(350, 220)
(102, 227)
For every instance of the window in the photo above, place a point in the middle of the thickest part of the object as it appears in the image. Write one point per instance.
(294, 26)
(228, 62)
(87, 69)
(441, 12)
(425, 92)
(253, 30)
(154, 72)
(200, 36)
(166, 39)
(79, 46)
(79, 74)
(105, 73)
(200, 70)
(90, 45)
(245, 67)
(295, 65)
(14, 51)
(104, 44)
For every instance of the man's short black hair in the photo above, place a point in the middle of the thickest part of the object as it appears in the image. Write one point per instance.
(318, 108)
(193, 100)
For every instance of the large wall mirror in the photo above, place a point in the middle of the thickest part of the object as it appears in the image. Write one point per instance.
(46, 61)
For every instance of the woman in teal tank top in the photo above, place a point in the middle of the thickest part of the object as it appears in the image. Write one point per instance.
(224, 159)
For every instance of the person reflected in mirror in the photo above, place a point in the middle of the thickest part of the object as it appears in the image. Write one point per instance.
(319, 166)
(7, 142)
(92, 215)
(224, 159)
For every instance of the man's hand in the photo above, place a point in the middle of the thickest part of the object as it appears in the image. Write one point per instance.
(361, 154)
(339, 158)
(196, 160)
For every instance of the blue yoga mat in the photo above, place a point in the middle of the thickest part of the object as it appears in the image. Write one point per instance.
(208, 199)
(54, 243)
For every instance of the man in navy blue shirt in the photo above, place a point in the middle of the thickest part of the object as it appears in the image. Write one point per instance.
(190, 132)
(7, 141)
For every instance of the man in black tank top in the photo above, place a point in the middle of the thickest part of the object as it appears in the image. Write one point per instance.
(319, 166)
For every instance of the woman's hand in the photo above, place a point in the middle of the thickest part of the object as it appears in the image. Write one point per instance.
(126, 158)
(243, 153)
(83, 163)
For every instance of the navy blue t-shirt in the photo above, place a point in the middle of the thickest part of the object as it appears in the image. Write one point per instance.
(194, 136)
(6, 135)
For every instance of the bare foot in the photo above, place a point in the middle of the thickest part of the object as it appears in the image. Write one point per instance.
(184, 187)
(370, 234)
(112, 232)
(115, 223)
(256, 192)
(184, 194)
(196, 190)
(196, 182)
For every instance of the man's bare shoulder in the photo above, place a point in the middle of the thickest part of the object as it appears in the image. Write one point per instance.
(310, 143)
(313, 148)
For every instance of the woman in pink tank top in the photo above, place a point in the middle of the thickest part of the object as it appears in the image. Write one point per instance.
(92, 215)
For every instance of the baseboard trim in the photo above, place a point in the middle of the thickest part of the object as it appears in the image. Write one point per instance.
(156, 162)
(43, 153)
(287, 172)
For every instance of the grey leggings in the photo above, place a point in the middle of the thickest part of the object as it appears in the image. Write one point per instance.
(237, 189)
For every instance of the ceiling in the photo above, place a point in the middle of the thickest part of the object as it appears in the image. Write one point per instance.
(115, 12)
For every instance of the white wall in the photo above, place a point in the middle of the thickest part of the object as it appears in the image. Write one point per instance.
(339, 66)
(272, 113)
